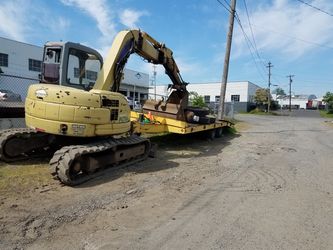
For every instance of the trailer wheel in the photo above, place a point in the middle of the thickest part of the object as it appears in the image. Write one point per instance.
(218, 132)
(211, 134)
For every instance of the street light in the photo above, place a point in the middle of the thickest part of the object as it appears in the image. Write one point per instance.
(138, 76)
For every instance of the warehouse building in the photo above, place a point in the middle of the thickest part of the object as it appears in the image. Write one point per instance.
(239, 94)
(298, 101)
(21, 65)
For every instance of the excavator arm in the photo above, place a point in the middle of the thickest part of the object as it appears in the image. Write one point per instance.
(136, 41)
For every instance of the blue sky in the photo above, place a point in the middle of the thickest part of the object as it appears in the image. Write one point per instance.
(296, 38)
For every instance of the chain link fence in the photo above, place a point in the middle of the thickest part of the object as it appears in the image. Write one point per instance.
(13, 91)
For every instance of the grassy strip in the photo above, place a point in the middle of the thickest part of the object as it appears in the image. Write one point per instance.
(324, 113)
(259, 112)
(23, 178)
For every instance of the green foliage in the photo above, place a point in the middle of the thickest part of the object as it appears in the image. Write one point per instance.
(261, 96)
(279, 91)
(325, 114)
(328, 98)
(257, 111)
(197, 100)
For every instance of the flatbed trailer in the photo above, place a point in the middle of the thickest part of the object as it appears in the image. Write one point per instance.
(142, 123)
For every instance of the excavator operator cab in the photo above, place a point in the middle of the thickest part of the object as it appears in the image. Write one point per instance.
(70, 64)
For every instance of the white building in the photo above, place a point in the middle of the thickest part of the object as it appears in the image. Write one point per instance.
(135, 84)
(241, 93)
(21, 64)
(297, 101)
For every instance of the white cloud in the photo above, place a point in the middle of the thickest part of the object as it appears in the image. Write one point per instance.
(63, 23)
(281, 27)
(130, 18)
(12, 19)
(21, 20)
(99, 11)
(191, 72)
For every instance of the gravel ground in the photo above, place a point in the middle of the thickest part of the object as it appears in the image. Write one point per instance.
(268, 187)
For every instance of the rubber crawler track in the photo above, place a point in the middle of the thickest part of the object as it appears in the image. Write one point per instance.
(6, 135)
(62, 159)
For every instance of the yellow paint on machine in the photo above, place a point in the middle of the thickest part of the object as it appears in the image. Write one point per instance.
(162, 124)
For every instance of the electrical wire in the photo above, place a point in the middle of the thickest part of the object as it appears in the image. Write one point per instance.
(249, 44)
(294, 38)
(252, 33)
(253, 38)
(251, 47)
(228, 9)
(314, 7)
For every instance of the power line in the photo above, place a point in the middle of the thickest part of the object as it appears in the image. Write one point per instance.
(247, 40)
(248, 19)
(290, 81)
(253, 38)
(228, 9)
(249, 44)
(314, 7)
(269, 66)
(295, 38)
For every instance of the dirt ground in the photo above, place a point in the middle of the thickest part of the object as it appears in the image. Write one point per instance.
(268, 187)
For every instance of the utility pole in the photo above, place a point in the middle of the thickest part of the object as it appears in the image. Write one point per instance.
(290, 81)
(226, 59)
(269, 66)
(154, 79)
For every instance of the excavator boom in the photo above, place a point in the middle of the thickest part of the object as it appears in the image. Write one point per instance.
(136, 41)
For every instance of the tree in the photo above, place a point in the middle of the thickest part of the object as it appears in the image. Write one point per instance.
(261, 98)
(279, 91)
(328, 98)
(197, 100)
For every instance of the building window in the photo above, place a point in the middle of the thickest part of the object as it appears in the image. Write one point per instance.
(76, 72)
(235, 98)
(207, 98)
(35, 65)
(91, 75)
(217, 98)
(3, 60)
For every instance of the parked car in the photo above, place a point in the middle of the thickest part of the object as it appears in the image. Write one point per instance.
(9, 96)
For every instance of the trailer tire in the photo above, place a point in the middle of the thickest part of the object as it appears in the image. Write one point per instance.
(218, 132)
(211, 134)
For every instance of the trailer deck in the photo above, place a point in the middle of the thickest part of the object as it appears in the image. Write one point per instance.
(157, 124)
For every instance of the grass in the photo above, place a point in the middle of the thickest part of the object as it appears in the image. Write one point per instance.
(259, 112)
(23, 178)
(325, 114)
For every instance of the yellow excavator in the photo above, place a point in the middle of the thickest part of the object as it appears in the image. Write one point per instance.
(77, 115)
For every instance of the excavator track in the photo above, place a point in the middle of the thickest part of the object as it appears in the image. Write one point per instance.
(76, 164)
(24, 143)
